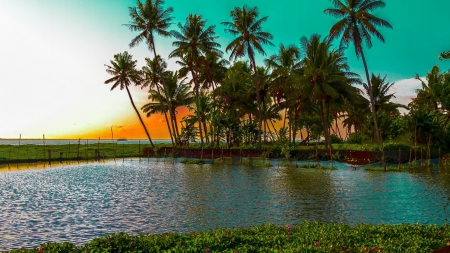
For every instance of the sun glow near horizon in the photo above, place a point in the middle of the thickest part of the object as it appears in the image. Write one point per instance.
(53, 71)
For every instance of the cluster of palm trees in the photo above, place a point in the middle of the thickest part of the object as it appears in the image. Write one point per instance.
(303, 89)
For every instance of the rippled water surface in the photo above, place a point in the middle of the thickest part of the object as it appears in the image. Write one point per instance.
(77, 203)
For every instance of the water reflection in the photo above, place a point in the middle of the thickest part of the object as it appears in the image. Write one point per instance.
(77, 202)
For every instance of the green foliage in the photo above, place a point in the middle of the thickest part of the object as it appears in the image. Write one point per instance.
(335, 139)
(304, 237)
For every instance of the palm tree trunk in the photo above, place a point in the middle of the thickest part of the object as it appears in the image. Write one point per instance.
(174, 126)
(169, 103)
(196, 87)
(140, 119)
(177, 132)
(206, 132)
(168, 127)
(274, 129)
(258, 98)
(372, 101)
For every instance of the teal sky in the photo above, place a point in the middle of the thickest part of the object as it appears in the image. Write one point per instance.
(54, 51)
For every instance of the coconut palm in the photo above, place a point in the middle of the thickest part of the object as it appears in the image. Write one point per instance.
(194, 41)
(357, 25)
(212, 70)
(328, 79)
(150, 18)
(356, 114)
(178, 95)
(285, 70)
(152, 76)
(251, 37)
(124, 72)
(427, 95)
(444, 55)
(380, 90)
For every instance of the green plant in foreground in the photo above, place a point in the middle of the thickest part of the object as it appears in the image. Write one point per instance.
(303, 237)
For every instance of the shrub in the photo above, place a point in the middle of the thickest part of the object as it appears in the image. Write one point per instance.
(304, 237)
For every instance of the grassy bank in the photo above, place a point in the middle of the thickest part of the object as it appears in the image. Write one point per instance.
(11, 154)
(28, 153)
(305, 237)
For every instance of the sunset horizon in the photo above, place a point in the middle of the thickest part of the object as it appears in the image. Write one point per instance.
(62, 92)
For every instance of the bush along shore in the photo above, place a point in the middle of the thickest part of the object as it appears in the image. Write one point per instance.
(304, 237)
(350, 153)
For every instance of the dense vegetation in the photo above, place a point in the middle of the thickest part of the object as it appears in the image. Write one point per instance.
(304, 237)
(304, 91)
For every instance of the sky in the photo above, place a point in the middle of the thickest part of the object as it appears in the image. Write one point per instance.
(53, 55)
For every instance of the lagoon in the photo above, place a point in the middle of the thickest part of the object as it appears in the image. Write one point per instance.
(79, 202)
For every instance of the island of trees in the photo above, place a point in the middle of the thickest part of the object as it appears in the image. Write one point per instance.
(305, 91)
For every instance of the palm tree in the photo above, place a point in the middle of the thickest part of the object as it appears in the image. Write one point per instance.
(357, 25)
(427, 95)
(444, 55)
(124, 72)
(212, 70)
(194, 40)
(248, 28)
(179, 96)
(150, 18)
(380, 90)
(356, 114)
(328, 79)
(285, 89)
(152, 76)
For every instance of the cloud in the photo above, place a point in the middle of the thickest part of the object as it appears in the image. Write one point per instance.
(405, 90)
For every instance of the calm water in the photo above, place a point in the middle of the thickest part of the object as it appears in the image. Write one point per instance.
(79, 202)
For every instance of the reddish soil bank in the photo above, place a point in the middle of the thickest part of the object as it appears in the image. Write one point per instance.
(349, 156)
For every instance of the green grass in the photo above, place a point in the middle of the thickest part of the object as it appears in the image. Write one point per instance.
(304, 237)
(25, 153)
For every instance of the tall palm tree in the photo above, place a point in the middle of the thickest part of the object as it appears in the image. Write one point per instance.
(357, 25)
(327, 76)
(194, 41)
(285, 70)
(179, 96)
(380, 90)
(248, 28)
(150, 18)
(427, 95)
(212, 70)
(153, 73)
(124, 72)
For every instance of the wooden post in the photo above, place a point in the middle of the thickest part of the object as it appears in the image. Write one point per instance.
(317, 154)
(240, 155)
(78, 152)
(115, 147)
(421, 155)
(43, 150)
(98, 150)
(86, 150)
(60, 157)
(18, 148)
(410, 156)
(68, 152)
